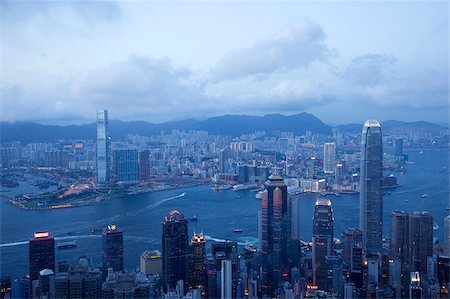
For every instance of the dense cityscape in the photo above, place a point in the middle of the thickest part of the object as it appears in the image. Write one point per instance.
(279, 168)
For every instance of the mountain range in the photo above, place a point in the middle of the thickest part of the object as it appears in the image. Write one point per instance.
(232, 125)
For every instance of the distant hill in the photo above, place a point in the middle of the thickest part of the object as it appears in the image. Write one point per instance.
(232, 125)
(398, 127)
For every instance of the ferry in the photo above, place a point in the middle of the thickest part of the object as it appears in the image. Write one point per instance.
(192, 219)
(249, 247)
(66, 245)
(424, 195)
(237, 230)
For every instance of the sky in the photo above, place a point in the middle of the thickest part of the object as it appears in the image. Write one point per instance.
(344, 62)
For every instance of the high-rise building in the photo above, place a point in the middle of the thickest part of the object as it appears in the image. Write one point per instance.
(103, 158)
(41, 253)
(144, 165)
(447, 235)
(399, 242)
(329, 157)
(126, 285)
(21, 289)
(151, 262)
(295, 217)
(275, 233)
(334, 282)
(322, 242)
(126, 167)
(226, 283)
(371, 187)
(398, 146)
(420, 240)
(352, 254)
(174, 249)
(112, 248)
(197, 267)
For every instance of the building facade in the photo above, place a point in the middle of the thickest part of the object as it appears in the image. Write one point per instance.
(112, 248)
(41, 253)
(103, 154)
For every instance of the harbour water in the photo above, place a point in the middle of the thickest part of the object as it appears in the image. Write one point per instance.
(140, 216)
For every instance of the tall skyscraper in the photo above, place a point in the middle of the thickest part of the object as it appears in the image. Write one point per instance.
(112, 248)
(399, 242)
(322, 242)
(398, 146)
(197, 266)
(295, 217)
(174, 246)
(329, 157)
(126, 166)
(420, 240)
(41, 253)
(103, 158)
(275, 233)
(226, 285)
(371, 187)
(352, 254)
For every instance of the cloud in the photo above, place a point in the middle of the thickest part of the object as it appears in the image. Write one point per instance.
(370, 69)
(296, 46)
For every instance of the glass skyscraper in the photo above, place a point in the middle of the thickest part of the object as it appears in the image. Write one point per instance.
(103, 158)
(371, 187)
(329, 157)
(112, 248)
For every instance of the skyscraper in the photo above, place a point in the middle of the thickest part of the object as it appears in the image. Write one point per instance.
(447, 235)
(329, 157)
(174, 247)
(126, 166)
(103, 158)
(112, 248)
(322, 242)
(420, 240)
(197, 266)
(352, 254)
(275, 232)
(144, 165)
(371, 187)
(399, 242)
(41, 253)
(226, 286)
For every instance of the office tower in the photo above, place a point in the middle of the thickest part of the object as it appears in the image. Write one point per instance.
(334, 282)
(395, 275)
(174, 247)
(352, 254)
(151, 262)
(80, 281)
(46, 283)
(371, 187)
(398, 146)
(126, 167)
(197, 267)
(41, 253)
(447, 235)
(443, 274)
(415, 289)
(103, 158)
(322, 242)
(275, 233)
(399, 242)
(226, 285)
(420, 240)
(144, 166)
(329, 157)
(295, 217)
(112, 248)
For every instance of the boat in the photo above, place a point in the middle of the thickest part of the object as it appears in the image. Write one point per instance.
(424, 195)
(237, 230)
(224, 187)
(192, 219)
(71, 233)
(336, 194)
(66, 245)
(259, 195)
(249, 247)
(238, 197)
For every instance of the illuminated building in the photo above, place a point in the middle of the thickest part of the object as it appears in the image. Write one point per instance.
(174, 247)
(103, 155)
(352, 254)
(334, 281)
(41, 253)
(275, 233)
(371, 187)
(322, 242)
(112, 248)
(329, 157)
(151, 262)
(415, 289)
(197, 268)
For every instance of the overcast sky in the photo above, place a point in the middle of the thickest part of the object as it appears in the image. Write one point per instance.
(156, 61)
